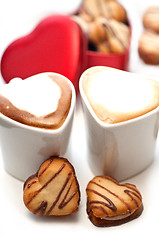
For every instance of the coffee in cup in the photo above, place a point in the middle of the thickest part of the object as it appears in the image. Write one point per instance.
(121, 111)
(117, 96)
(42, 100)
(36, 118)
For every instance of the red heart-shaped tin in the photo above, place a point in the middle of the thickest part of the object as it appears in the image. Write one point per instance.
(55, 45)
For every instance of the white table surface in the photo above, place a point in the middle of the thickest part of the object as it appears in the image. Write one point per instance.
(16, 19)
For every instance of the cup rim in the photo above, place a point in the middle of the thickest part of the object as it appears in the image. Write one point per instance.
(45, 130)
(100, 122)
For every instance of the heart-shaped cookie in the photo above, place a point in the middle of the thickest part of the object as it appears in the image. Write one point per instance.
(54, 190)
(55, 45)
(110, 203)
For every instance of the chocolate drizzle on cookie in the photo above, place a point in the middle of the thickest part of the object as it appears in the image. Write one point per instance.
(52, 202)
(114, 34)
(45, 185)
(60, 206)
(41, 209)
(110, 203)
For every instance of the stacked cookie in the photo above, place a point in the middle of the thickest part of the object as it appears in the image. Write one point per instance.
(148, 47)
(110, 203)
(105, 24)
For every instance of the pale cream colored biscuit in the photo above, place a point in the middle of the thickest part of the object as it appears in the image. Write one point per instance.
(97, 33)
(84, 25)
(110, 203)
(117, 35)
(151, 19)
(85, 16)
(103, 47)
(117, 11)
(105, 8)
(54, 190)
(148, 47)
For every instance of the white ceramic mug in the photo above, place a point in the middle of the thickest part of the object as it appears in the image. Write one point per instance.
(123, 149)
(25, 147)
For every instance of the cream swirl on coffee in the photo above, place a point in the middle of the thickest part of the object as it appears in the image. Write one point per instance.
(117, 96)
(42, 100)
(37, 95)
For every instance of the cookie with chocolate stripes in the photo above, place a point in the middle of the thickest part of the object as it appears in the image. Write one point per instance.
(110, 203)
(53, 190)
(114, 33)
(105, 8)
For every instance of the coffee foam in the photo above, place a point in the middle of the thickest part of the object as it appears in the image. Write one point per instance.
(42, 100)
(117, 96)
(38, 95)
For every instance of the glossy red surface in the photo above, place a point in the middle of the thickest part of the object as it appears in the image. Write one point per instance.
(119, 61)
(56, 45)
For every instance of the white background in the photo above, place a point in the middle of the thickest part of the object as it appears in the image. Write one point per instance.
(16, 19)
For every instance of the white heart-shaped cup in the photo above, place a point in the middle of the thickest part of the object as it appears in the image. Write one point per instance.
(121, 111)
(25, 140)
